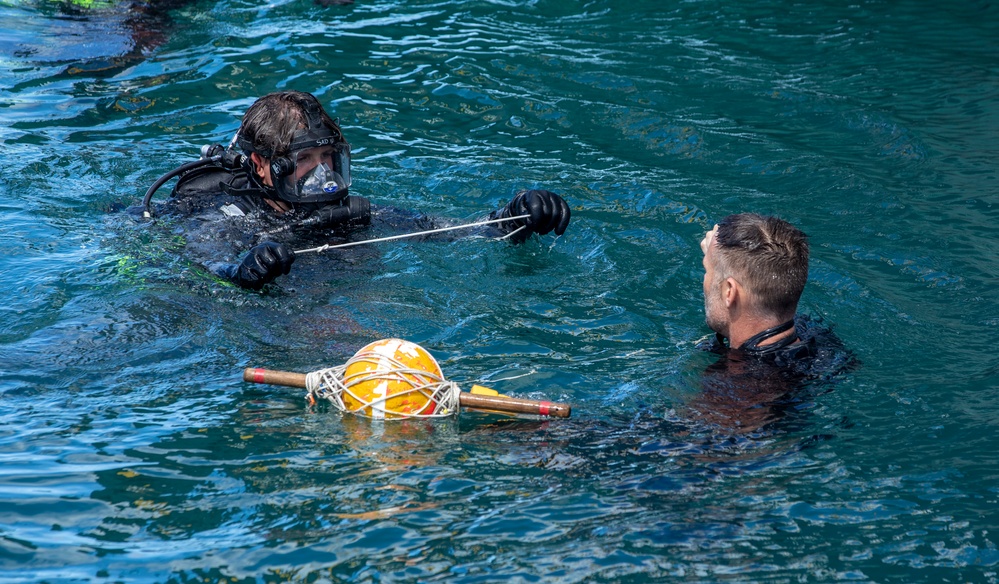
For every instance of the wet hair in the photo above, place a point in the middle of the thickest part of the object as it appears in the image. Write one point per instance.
(767, 255)
(270, 124)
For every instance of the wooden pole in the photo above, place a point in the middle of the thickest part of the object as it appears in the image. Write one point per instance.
(496, 403)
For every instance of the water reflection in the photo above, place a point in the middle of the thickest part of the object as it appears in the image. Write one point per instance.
(738, 418)
(86, 37)
(130, 451)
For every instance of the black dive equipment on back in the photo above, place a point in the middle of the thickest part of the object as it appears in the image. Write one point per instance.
(212, 154)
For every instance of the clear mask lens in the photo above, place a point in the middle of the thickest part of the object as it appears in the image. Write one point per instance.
(342, 161)
(319, 175)
(322, 183)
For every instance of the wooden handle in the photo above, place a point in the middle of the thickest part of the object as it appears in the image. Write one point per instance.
(272, 377)
(513, 405)
(496, 403)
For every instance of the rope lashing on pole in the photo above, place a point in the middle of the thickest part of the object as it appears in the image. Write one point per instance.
(327, 246)
(389, 379)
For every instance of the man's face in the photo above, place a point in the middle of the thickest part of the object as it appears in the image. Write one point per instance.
(715, 313)
(308, 159)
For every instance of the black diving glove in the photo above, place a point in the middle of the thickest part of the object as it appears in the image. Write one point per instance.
(264, 263)
(547, 212)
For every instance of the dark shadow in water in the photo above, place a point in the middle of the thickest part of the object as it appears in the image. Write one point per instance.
(745, 417)
(91, 38)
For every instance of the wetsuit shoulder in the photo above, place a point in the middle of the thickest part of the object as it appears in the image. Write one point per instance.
(818, 352)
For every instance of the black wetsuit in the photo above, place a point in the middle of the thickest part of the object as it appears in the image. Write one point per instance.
(813, 351)
(752, 385)
(223, 214)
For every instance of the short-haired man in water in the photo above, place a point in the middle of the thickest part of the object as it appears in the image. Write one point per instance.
(755, 269)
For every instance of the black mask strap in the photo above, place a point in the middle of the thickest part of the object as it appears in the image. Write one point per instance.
(253, 187)
(752, 344)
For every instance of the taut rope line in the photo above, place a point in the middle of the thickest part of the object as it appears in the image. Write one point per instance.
(327, 246)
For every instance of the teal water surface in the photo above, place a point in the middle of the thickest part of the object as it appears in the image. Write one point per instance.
(131, 451)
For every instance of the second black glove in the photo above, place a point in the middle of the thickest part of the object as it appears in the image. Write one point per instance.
(546, 212)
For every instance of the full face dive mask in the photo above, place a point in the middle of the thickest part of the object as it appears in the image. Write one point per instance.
(316, 168)
(315, 173)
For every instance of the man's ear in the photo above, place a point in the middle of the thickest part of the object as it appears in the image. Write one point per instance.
(731, 290)
(259, 164)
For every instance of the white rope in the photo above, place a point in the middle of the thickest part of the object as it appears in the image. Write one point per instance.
(327, 246)
(325, 383)
(517, 230)
(330, 384)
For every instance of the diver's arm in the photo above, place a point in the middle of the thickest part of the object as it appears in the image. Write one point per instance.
(546, 211)
(215, 235)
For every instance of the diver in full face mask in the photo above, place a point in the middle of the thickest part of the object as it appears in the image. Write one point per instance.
(286, 174)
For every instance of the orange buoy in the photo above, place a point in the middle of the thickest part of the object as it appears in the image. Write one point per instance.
(391, 378)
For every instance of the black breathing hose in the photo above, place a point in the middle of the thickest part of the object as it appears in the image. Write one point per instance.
(146, 210)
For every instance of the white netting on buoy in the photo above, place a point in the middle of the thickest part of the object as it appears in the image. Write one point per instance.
(377, 383)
